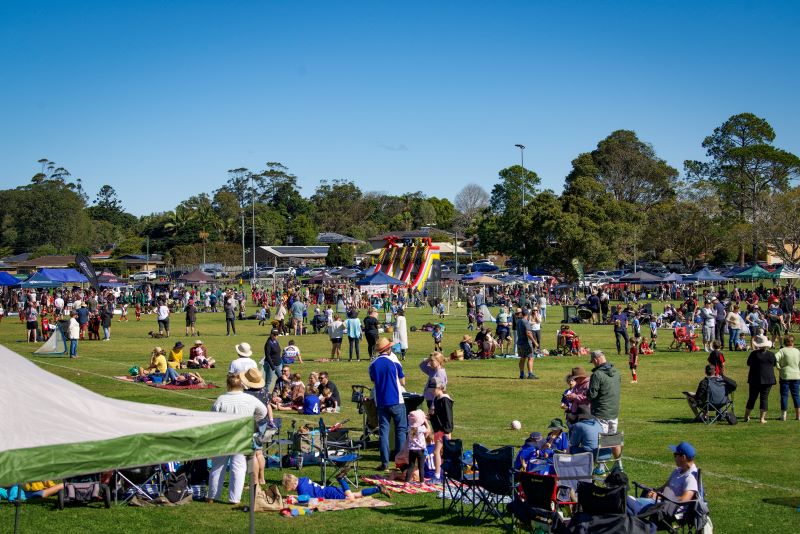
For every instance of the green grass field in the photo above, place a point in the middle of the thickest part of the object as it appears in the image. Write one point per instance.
(749, 470)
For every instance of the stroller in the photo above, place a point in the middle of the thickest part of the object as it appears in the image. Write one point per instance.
(84, 490)
(368, 408)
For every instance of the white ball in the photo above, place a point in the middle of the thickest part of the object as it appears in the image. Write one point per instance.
(516, 425)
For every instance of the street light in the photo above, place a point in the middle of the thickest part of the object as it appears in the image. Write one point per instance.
(522, 185)
(253, 245)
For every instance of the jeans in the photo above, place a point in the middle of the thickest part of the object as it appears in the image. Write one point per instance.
(354, 342)
(73, 348)
(719, 328)
(171, 374)
(637, 505)
(106, 332)
(396, 412)
(271, 376)
(733, 338)
(230, 324)
(788, 386)
(372, 338)
(624, 335)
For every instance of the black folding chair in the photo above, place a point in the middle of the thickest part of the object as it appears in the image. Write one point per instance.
(673, 516)
(536, 502)
(145, 482)
(455, 481)
(494, 486)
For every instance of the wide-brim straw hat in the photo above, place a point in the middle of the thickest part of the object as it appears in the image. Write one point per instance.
(466, 338)
(761, 342)
(252, 378)
(243, 349)
(382, 344)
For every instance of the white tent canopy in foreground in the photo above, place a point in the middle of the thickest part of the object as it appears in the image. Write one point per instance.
(51, 428)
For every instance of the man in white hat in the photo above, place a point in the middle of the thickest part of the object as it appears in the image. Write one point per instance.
(244, 361)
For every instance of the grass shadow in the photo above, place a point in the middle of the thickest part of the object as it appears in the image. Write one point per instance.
(790, 502)
(426, 514)
(491, 377)
(674, 421)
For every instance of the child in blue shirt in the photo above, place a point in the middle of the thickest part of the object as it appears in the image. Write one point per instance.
(437, 338)
(653, 332)
(305, 486)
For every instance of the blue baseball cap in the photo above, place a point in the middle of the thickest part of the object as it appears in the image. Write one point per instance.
(684, 448)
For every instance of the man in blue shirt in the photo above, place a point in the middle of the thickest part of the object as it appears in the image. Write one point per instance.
(386, 373)
(583, 436)
(83, 318)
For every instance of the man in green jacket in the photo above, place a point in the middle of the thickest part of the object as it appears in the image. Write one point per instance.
(603, 394)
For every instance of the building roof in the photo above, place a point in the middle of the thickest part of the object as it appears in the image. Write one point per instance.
(47, 261)
(16, 258)
(333, 237)
(104, 255)
(313, 252)
(155, 259)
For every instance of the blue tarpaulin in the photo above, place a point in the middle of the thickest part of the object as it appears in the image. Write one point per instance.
(380, 278)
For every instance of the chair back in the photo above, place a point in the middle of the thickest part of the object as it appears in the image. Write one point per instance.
(617, 439)
(599, 500)
(539, 490)
(452, 465)
(573, 468)
(717, 392)
(495, 469)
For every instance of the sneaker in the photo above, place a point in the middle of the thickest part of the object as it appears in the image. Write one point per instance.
(532, 376)
(383, 467)
(385, 491)
(435, 481)
(522, 376)
(634, 381)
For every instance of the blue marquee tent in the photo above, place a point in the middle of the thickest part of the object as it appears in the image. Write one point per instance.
(380, 278)
(64, 275)
(705, 275)
(8, 280)
(40, 280)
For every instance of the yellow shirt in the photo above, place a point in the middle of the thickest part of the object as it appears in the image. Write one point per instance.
(175, 358)
(39, 485)
(160, 363)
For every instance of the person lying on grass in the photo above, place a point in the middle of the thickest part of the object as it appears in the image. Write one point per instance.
(305, 486)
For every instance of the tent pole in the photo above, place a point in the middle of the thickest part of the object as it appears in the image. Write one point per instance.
(253, 476)
(17, 505)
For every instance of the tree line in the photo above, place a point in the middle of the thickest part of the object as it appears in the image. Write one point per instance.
(619, 201)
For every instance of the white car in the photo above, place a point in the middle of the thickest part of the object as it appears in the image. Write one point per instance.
(143, 276)
(284, 271)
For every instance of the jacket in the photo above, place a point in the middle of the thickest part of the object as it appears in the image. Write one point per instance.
(272, 354)
(442, 416)
(604, 388)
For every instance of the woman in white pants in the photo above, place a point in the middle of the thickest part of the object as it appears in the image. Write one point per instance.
(235, 401)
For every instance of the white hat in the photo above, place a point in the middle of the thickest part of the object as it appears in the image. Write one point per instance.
(198, 342)
(243, 349)
(760, 342)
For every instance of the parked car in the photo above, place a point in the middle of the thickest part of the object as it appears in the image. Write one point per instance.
(143, 276)
(482, 267)
(284, 271)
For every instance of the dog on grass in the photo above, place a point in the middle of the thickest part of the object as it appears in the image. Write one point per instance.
(156, 335)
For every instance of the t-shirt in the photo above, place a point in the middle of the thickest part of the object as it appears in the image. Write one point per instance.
(371, 325)
(523, 327)
(681, 482)
(163, 313)
(298, 309)
(310, 404)
(386, 374)
(240, 403)
(622, 317)
(241, 365)
(290, 354)
(160, 363)
(334, 392)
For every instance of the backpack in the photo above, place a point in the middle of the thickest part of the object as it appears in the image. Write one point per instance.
(177, 487)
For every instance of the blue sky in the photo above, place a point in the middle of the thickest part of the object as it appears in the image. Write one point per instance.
(160, 99)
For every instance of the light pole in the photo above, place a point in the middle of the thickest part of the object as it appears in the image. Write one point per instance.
(253, 243)
(522, 186)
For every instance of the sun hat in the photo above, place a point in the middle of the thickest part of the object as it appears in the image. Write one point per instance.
(198, 342)
(178, 345)
(760, 342)
(159, 350)
(535, 437)
(382, 344)
(252, 378)
(556, 424)
(243, 349)
(579, 372)
(466, 338)
(684, 448)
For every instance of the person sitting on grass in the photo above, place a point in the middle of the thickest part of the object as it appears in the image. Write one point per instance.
(198, 357)
(175, 359)
(466, 347)
(305, 486)
(297, 395)
(291, 354)
(327, 401)
(158, 364)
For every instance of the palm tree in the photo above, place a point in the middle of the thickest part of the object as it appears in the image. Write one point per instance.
(177, 220)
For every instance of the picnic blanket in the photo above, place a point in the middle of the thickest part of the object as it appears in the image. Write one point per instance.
(334, 505)
(207, 385)
(397, 486)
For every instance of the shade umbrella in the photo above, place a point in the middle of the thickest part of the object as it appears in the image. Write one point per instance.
(484, 280)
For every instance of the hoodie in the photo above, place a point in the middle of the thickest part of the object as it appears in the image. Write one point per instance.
(604, 390)
(442, 416)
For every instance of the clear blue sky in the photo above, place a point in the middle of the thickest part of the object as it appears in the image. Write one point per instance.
(160, 99)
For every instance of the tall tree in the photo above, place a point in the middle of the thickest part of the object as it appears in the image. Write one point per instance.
(630, 170)
(108, 207)
(781, 225)
(339, 206)
(745, 167)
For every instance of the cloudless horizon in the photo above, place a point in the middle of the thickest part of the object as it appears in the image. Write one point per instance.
(160, 99)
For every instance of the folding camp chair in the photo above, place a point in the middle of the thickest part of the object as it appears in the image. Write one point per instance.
(718, 403)
(455, 481)
(494, 486)
(604, 509)
(605, 452)
(571, 469)
(337, 450)
(145, 482)
(537, 502)
(673, 516)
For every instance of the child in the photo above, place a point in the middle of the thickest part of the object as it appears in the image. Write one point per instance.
(471, 320)
(653, 332)
(304, 486)
(138, 311)
(311, 404)
(566, 404)
(479, 320)
(262, 315)
(717, 359)
(442, 425)
(123, 316)
(440, 309)
(417, 430)
(437, 338)
(633, 359)
(637, 326)
(291, 354)
(328, 402)
(433, 367)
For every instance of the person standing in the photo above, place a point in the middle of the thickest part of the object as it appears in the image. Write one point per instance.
(604, 392)
(191, 318)
(708, 316)
(162, 316)
(353, 327)
(371, 331)
(401, 332)
(526, 344)
(273, 357)
(788, 359)
(719, 320)
(83, 318)
(298, 311)
(230, 316)
(620, 321)
(74, 334)
(387, 375)
(761, 376)
(106, 315)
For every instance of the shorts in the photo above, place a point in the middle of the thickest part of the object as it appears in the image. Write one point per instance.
(776, 329)
(609, 426)
(336, 340)
(502, 333)
(440, 435)
(31, 325)
(708, 333)
(190, 323)
(633, 365)
(525, 352)
(163, 324)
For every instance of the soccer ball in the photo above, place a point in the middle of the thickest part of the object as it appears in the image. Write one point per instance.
(516, 425)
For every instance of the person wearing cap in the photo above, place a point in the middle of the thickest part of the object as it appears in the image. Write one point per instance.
(244, 361)
(761, 376)
(584, 434)
(386, 373)
(526, 343)
(175, 359)
(273, 359)
(235, 402)
(529, 453)
(681, 486)
(604, 392)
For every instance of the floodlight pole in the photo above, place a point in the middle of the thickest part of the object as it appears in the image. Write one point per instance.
(253, 245)
(522, 186)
